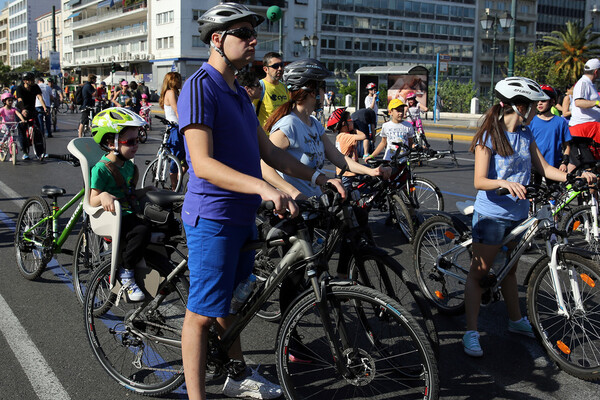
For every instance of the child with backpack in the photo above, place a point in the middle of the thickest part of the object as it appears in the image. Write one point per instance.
(114, 177)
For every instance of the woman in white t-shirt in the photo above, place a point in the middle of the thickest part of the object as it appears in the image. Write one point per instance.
(394, 131)
(168, 102)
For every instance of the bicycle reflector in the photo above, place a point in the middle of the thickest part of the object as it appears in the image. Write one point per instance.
(589, 281)
(439, 295)
(576, 225)
(449, 234)
(563, 347)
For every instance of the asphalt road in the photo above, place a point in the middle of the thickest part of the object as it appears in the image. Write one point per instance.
(46, 354)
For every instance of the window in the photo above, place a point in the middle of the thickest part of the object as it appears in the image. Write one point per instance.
(361, 22)
(300, 23)
(164, 17)
(196, 42)
(164, 43)
(197, 14)
(328, 42)
(329, 19)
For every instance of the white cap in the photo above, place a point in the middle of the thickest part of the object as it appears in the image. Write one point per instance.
(592, 64)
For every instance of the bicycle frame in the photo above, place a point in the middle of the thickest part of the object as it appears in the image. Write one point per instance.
(59, 241)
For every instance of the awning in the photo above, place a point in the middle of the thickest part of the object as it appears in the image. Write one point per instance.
(106, 3)
(73, 15)
(73, 2)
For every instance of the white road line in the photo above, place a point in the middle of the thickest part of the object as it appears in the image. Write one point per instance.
(11, 194)
(44, 382)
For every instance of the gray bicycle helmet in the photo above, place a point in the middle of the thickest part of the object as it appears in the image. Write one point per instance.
(221, 16)
(298, 73)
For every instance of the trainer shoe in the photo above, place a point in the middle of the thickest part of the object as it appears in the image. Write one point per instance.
(471, 344)
(25, 157)
(522, 327)
(134, 293)
(254, 386)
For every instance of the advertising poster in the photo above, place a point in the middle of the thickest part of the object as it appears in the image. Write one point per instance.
(400, 85)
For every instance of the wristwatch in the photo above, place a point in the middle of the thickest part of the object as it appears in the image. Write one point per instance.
(315, 176)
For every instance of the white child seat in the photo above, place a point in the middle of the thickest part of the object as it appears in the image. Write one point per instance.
(103, 223)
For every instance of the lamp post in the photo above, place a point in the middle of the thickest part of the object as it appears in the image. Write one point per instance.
(307, 43)
(489, 22)
(511, 40)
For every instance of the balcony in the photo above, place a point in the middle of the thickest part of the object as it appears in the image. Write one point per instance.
(122, 15)
(111, 36)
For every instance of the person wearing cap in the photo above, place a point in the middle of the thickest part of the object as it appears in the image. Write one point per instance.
(585, 115)
(274, 92)
(88, 92)
(224, 145)
(372, 97)
(121, 96)
(395, 130)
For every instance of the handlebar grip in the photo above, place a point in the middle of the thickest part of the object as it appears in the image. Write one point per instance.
(267, 205)
(502, 191)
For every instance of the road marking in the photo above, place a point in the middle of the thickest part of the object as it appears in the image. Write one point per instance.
(44, 382)
(11, 195)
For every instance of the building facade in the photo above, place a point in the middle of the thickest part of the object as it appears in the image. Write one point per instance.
(4, 37)
(22, 28)
(45, 34)
(552, 15)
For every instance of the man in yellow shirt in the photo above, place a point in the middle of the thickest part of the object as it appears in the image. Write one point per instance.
(274, 91)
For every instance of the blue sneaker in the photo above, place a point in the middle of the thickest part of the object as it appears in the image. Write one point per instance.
(522, 327)
(133, 291)
(25, 157)
(471, 344)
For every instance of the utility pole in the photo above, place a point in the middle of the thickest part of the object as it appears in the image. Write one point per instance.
(53, 28)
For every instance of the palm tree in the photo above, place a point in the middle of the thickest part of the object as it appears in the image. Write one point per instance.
(571, 49)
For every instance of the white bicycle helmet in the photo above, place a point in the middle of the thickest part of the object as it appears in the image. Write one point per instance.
(519, 90)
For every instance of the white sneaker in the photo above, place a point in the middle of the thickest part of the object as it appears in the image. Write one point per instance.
(134, 293)
(254, 386)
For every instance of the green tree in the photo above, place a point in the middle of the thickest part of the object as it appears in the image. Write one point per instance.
(455, 95)
(570, 49)
(6, 77)
(345, 87)
(40, 66)
(534, 64)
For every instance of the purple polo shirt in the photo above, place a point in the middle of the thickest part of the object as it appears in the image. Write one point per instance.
(207, 99)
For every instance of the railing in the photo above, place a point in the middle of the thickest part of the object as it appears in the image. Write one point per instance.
(109, 15)
(106, 37)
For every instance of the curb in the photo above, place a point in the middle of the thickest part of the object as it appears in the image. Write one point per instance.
(461, 138)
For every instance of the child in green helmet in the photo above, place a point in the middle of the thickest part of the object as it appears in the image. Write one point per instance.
(114, 177)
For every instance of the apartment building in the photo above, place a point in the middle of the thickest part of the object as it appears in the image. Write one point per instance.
(4, 37)
(45, 34)
(552, 15)
(22, 28)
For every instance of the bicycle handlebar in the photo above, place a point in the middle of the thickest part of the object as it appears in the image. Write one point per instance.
(65, 157)
(165, 121)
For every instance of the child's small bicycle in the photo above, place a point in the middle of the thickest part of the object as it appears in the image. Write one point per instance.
(8, 146)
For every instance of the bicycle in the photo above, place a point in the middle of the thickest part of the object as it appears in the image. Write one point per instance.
(561, 294)
(408, 197)
(87, 126)
(63, 106)
(158, 171)
(36, 138)
(53, 115)
(37, 235)
(361, 340)
(8, 146)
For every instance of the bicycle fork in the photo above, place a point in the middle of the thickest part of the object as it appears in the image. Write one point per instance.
(553, 266)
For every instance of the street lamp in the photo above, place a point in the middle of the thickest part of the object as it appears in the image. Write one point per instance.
(490, 22)
(307, 43)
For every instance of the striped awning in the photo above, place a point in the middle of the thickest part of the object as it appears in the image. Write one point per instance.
(106, 3)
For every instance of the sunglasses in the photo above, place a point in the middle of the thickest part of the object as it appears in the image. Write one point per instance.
(242, 33)
(276, 66)
(130, 142)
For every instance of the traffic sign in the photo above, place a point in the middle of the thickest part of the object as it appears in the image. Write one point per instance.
(54, 63)
(445, 57)
(443, 66)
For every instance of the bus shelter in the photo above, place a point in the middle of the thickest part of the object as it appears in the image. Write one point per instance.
(400, 80)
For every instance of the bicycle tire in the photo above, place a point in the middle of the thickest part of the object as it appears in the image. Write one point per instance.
(54, 118)
(63, 108)
(263, 267)
(377, 332)
(577, 223)
(116, 346)
(382, 272)
(402, 217)
(90, 251)
(142, 135)
(162, 180)
(437, 235)
(14, 152)
(87, 131)
(426, 195)
(32, 259)
(4, 151)
(38, 143)
(571, 340)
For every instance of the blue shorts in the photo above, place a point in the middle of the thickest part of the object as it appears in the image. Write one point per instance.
(492, 231)
(175, 144)
(216, 264)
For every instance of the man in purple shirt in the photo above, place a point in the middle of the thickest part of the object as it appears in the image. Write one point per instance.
(224, 144)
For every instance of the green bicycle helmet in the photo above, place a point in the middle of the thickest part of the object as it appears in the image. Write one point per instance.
(112, 121)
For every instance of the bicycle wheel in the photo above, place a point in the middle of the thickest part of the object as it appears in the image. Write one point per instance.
(382, 346)
(87, 131)
(38, 142)
(63, 107)
(427, 195)
(570, 339)
(33, 247)
(13, 152)
(142, 135)
(264, 264)
(135, 353)
(54, 119)
(90, 251)
(4, 151)
(160, 176)
(402, 217)
(442, 280)
(373, 268)
(578, 224)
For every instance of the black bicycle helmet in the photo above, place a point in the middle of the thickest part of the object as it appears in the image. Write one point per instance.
(221, 16)
(298, 73)
(518, 90)
(27, 76)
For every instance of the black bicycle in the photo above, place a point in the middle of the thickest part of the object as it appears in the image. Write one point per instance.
(359, 341)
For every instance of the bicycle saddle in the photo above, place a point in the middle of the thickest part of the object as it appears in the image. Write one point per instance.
(165, 198)
(52, 191)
